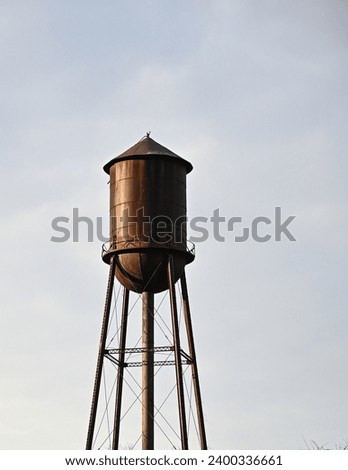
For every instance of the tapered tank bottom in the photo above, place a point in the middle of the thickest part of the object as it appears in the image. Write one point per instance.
(146, 270)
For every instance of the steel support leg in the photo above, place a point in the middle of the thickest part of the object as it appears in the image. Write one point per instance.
(100, 360)
(194, 368)
(120, 370)
(148, 416)
(177, 352)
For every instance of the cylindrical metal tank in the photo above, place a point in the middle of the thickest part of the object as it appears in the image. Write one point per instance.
(147, 215)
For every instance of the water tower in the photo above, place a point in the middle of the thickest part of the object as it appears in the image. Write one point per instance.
(147, 253)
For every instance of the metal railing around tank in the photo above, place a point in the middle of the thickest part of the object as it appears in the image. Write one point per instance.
(129, 244)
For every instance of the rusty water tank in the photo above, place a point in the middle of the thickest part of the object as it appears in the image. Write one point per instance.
(147, 215)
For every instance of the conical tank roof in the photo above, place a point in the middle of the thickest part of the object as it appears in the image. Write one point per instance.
(146, 147)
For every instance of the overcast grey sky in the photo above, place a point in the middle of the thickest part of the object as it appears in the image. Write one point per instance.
(254, 94)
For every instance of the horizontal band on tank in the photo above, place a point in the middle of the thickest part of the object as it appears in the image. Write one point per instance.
(129, 234)
(135, 196)
(138, 204)
(129, 178)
